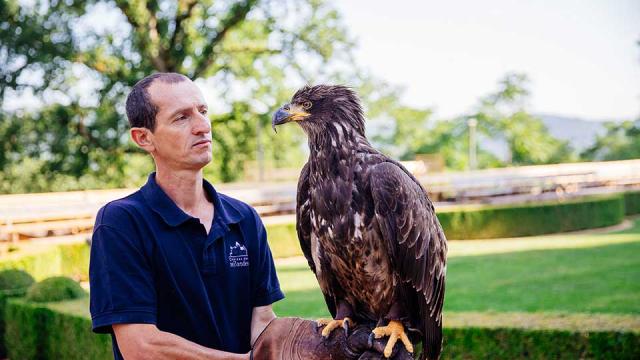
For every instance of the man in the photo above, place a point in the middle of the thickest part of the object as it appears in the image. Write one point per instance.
(179, 271)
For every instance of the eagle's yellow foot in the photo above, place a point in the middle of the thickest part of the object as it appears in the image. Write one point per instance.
(331, 324)
(394, 330)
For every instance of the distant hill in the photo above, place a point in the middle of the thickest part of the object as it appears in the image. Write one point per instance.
(580, 133)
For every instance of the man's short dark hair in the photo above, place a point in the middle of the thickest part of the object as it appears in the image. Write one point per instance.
(141, 111)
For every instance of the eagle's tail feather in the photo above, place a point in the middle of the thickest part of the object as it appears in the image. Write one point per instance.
(432, 341)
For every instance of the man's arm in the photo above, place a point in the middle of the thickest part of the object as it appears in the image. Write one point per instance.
(260, 318)
(146, 341)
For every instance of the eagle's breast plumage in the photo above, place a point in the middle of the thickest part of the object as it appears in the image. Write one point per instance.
(347, 240)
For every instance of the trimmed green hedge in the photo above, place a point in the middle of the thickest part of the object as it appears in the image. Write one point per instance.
(13, 283)
(632, 203)
(4, 297)
(487, 222)
(523, 335)
(55, 288)
(506, 343)
(44, 331)
(531, 219)
(36, 331)
(65, 259)
(13, 279)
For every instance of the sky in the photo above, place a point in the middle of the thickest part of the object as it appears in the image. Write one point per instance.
(582, 57)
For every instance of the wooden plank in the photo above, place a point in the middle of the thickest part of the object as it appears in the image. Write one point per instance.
(14, 232)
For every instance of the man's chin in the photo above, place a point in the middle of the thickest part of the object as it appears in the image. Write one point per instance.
(204, 162)
(200, 162)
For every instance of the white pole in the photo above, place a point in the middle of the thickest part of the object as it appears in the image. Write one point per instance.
(472, 123)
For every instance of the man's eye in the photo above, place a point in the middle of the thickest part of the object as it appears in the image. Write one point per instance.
(181, 117)
(204, 111)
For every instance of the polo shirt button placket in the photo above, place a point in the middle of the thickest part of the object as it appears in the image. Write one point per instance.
(209, 263)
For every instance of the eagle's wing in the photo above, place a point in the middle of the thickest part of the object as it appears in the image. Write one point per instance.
(416, 245)
(303, 217)
(303, 228)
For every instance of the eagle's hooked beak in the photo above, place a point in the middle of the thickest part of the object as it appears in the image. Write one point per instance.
(288, 113)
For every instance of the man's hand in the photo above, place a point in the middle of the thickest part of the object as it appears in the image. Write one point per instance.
(298, 339)
(146, 341)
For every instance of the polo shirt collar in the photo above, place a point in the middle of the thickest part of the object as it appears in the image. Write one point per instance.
(225, 213)
(162, 204)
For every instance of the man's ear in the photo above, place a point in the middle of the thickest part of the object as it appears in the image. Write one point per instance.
(143, 137)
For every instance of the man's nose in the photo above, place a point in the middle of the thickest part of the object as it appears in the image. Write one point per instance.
(202, 124)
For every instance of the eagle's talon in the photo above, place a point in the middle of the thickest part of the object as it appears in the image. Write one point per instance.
(345, 326)
(321, 322)
(395, 331)
(331, 324)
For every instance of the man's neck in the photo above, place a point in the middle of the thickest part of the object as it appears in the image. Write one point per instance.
(184, 187)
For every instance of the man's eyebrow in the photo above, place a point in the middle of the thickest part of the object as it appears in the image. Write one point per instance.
(186, 108)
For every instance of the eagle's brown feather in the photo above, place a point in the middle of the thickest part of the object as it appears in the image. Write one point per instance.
(416, 243)
(366, 226)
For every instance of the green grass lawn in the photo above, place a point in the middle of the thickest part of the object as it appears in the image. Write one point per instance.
(575, 273)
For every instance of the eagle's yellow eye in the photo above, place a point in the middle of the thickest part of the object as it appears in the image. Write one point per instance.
(306, 105)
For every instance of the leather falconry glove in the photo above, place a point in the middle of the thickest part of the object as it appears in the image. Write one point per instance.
(299, 339)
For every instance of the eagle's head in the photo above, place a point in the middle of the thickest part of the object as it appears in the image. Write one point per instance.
(315, 108)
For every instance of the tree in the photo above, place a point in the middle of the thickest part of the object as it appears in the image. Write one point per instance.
(78, 71)
(620, 142)
(404, 131)
(503, 115)
(395, 128)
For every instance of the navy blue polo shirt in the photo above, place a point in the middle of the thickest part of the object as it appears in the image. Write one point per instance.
(152, 263)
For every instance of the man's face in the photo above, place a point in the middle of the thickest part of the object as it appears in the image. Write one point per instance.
(182, 137)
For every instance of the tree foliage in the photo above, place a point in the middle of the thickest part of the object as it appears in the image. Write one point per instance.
(502, 118)
(76, 61)
(620, 142)
(66, 67)
(394, 127)
(503, 115)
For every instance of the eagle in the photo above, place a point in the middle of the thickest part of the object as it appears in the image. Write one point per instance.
(366, 226)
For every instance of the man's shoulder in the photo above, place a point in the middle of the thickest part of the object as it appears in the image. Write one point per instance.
(240, 207)
(121, 210)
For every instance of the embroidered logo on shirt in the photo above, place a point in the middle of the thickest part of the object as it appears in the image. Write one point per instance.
(238, 256)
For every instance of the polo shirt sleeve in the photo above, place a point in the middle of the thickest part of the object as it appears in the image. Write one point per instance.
(265, 286)
(121, 279)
